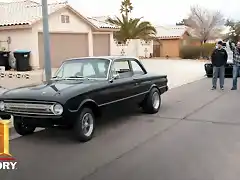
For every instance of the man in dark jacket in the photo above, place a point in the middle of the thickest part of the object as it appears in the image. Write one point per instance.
(219, 59)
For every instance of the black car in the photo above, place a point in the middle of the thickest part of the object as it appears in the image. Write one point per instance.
(228, 69)
(79, 92)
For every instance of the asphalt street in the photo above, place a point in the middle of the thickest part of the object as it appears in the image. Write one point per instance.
(195, 136)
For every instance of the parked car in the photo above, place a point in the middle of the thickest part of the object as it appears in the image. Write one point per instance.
(79, 92)
(228, 67)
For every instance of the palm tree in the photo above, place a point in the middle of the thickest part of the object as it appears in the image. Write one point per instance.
(126, 7)
(131, 28)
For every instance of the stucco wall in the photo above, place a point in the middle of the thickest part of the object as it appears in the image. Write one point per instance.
(28, 38)
(76, 25)
(20, 39)
(134, 47)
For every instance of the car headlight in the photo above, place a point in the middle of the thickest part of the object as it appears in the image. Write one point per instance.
(57, 109)
(2, 106)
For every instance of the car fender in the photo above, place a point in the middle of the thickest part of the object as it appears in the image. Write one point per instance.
(85, 101)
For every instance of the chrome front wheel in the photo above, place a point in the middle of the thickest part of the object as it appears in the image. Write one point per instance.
(84, 125)
(87, 124)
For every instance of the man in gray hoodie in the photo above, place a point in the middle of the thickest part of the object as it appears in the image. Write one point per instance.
(236, 64)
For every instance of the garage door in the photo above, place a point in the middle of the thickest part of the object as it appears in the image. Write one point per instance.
(63, 46)
(101, 44)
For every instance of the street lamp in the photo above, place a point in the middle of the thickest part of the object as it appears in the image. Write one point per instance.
(47, 59)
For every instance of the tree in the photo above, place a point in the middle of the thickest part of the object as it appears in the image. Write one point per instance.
(234, 32)
(206, 23)
(126, 7)
(131, 28)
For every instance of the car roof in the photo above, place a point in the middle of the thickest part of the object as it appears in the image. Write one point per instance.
(102, 57)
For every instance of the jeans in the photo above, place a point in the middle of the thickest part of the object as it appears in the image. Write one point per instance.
(218, 71)
(236, 70)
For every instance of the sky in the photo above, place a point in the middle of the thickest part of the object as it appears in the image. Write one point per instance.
(158, 12)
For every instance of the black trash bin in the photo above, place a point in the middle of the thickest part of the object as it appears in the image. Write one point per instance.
(4, 59)
(22, 60)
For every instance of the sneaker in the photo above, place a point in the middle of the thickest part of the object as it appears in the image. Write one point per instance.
(213, 88)
(233, 88)
(222, 88)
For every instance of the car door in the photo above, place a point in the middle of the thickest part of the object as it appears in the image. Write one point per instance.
(140, 79)
(120, 88)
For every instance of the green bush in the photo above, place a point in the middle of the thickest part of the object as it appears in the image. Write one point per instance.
(196, 52)
(190, 52)
(207, 49)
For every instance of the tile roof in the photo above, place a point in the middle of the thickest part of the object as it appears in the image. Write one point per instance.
(101, 22)
(24, 12)
(27, 12)
(170, 32)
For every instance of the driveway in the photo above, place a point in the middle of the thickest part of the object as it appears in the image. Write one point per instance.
(179, 72)
(195, 136)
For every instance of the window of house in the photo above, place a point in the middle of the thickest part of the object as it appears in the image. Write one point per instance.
(65, 19)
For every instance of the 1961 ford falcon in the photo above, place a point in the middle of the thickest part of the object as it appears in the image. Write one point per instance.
(79, 92)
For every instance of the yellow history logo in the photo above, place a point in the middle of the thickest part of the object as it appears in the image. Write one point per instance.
(6, 159)
(4, 138)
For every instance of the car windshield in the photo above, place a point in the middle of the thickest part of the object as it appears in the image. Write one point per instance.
(90, 68)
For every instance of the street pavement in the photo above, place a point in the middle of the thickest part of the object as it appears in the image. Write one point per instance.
(195, 136)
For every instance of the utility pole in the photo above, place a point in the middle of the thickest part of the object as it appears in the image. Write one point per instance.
(47, 58)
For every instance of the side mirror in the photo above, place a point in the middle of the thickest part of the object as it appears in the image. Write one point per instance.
(114, 76)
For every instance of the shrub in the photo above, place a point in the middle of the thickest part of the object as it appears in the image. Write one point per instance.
(190, 52)
(207, 49)
(195, 52)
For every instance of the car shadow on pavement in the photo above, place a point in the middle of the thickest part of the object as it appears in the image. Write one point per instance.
(108, 121)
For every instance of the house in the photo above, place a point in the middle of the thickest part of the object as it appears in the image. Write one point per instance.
(71, 34)
(169, 40)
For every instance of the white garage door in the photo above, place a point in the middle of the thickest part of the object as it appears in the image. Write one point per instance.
(101, 44)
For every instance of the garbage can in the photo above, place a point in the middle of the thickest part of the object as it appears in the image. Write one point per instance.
(22, 60)
(4, 59)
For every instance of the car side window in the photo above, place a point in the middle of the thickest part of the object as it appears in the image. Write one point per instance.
(122, 68)
(136, 68)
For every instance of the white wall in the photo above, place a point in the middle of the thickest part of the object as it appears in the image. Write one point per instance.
(134, 47)
(22, 39)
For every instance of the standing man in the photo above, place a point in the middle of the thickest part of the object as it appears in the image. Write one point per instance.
(219, 59)
(236, 64)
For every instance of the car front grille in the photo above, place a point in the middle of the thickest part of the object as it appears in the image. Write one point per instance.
(28, 108)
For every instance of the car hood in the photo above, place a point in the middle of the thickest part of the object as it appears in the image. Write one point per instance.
(52, 90)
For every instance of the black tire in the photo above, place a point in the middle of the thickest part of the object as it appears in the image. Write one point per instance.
(148, 103)
(5, 117)
(22, 128)
(79, 132)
